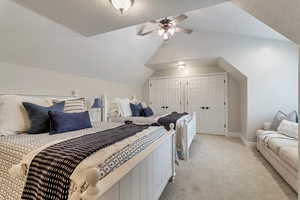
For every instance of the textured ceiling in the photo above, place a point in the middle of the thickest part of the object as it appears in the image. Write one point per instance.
(92, 17)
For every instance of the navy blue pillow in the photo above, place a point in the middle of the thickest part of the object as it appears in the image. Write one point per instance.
(147, 112)
(39, 117)
(61, 122)
(136, 109)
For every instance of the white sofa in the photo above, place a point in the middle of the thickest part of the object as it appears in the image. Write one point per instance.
(282, 153)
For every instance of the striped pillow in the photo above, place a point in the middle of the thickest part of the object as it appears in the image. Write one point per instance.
(74, 105)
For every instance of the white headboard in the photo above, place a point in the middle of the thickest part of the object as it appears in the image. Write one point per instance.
(111, 107)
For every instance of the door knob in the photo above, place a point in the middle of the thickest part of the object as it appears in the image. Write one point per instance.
(207, 108)
(167, 107)
(202, 107)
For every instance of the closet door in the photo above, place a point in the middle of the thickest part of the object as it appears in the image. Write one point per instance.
(206, 96)
(157, 89)
(173, 95)
(165, 95)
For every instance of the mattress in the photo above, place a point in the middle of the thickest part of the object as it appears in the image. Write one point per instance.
(19, 150)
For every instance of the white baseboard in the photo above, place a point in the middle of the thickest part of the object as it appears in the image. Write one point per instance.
(247, 143)
(233, 134)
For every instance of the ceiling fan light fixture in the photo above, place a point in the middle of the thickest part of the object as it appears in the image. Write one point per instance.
(172, 30)
(122, 5)
(166, 36)
(161, 32)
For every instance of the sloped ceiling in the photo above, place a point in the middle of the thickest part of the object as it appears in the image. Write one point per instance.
(28, 39)
(92, 17)
(282, 15)
(229, 18)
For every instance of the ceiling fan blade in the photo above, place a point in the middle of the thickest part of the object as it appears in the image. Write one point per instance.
(154, 21)
(140, 29)
(184, 30)
(180, 18)
(147, 33)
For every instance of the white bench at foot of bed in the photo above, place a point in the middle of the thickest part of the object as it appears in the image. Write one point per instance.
(145, 181)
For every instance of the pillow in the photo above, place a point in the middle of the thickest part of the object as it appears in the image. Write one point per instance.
(39, 118)
(74, 105)
(13, 116)
(288, 128)
(147, 112)
(281, 116)
(292, 116)
(63, 122)
(136, 109)
(124, 107)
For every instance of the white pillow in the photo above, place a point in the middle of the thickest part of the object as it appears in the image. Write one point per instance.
(288, 128)
(124, 107)
(13, 116)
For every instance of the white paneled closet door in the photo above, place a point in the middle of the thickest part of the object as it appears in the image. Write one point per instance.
(165, 95)
(205, 95)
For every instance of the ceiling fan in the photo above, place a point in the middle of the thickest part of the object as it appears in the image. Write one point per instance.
(167, 27)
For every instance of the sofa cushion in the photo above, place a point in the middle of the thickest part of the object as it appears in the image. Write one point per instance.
(290, 156)
(275, 144)
(288, 128)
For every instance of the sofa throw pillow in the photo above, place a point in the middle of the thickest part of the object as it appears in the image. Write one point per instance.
(13, 116)
(63, 122)
(288, 128)
(38, 115)
(148, 112)
(292, 116)
(74, 105)
(136, 109)
(277, 119)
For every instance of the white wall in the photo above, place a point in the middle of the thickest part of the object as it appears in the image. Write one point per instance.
(33, 81)
(271, 68)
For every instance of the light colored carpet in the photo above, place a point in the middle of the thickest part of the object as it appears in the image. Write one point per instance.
(222, 168)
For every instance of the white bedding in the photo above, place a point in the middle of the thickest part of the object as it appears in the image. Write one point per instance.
(19, 150)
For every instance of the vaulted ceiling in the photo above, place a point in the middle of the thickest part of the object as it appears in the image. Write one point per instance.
(27, 39)
(92, 17)
(52, 34)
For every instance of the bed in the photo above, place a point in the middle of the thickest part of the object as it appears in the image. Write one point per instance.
(136, 167)
(185, 126)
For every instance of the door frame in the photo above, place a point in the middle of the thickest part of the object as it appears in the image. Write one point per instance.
(225, 74)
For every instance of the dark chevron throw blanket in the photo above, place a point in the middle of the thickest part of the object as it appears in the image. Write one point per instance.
(171, 118)
(50, 170)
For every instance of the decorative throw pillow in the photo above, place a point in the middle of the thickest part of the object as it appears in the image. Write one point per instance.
(74, 105)
(148, 112)
(13, 116)
(288, 128)
(281, 116)
(124, 107)
(292, 116)
(136, 109)
(63, 122)
(39, 118)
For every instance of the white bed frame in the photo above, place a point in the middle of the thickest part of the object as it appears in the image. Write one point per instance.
(146, 180)
(188, 132)
(187, 126)
(144, 177)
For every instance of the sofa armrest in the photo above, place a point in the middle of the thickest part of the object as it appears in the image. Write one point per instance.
(267, 126)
